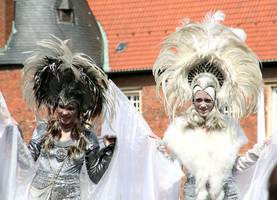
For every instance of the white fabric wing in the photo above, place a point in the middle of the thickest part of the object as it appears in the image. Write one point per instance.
(138, 171)
(8, 150)
(254, 181)
(17, 167)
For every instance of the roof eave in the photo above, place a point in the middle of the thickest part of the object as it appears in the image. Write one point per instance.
(269, 60)
(148, 69)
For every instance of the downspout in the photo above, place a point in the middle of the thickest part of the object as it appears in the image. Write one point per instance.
(106, 66)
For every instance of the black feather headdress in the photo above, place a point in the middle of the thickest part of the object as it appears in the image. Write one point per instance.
(53, 73)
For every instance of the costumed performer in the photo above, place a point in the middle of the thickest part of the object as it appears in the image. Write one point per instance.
(73, 90)
(209, 65)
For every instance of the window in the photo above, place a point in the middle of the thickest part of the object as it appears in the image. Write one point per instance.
(65, 16)
(226, 110)
(134, 97)
(65, 12)
(120, 47)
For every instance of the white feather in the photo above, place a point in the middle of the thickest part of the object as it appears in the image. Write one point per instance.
(195, 148)
(193, 42)
(240, 33)
(215, 17)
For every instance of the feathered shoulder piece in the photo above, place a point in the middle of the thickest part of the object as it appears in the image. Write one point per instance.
(209, 48)
(53, 73)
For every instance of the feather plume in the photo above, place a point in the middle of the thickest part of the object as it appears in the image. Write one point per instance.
(53, 72)
(209, 47)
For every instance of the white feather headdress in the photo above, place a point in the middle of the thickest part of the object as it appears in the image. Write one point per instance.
(209, 47)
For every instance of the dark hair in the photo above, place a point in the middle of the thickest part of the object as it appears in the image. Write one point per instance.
(53, 130)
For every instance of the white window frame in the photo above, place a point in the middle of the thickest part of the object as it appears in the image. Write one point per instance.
(274, 111)
(134, 93)
(261, 133)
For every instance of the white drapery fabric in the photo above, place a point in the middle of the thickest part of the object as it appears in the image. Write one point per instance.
(8, 150)
(17, 167)
(253, 182)
(138, 171)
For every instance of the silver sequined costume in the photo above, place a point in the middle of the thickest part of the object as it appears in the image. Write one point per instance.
(67, 184)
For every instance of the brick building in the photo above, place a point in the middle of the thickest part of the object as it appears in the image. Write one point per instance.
(22, 29)
(134, 30)
(131, 32)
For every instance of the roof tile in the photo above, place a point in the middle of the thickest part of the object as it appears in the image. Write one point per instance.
(144, 24)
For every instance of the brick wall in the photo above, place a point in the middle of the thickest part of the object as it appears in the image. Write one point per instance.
(249, 126)
(10, 86)
(153, 110)
(6, 18)
(152, 107)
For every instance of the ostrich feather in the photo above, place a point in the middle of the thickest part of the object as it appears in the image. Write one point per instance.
(234, 65)
(53, 73)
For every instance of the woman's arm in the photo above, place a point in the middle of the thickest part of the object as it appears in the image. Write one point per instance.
(35, 144)
(97, 161)
(249, 158)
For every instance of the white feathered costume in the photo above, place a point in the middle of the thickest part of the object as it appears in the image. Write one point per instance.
(209, 156)
(208, 55)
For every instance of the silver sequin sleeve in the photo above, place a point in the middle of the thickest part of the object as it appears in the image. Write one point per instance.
(245, 161)
(36, 141)
(97, 161)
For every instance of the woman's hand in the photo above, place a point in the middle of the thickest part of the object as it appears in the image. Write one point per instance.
(154, 136)
(109, 139)
(267, 141)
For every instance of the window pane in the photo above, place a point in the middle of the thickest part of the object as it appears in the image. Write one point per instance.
(134, 98)
(65, 15)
